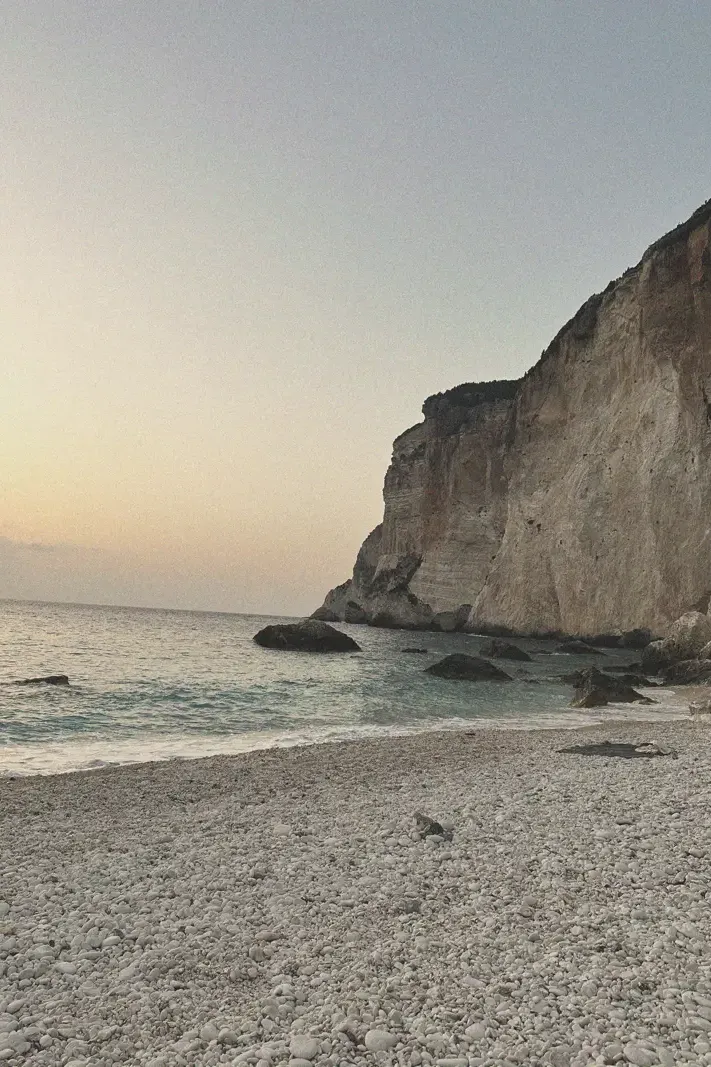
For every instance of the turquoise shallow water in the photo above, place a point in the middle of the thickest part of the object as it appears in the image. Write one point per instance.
(152, 684)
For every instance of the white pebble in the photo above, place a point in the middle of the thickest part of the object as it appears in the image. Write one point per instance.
(380, 1040)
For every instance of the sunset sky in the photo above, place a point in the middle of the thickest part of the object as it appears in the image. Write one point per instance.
(243, 241)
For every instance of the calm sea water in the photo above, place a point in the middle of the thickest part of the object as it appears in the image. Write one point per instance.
(149, 684)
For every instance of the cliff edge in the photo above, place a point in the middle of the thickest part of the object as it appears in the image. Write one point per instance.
(576, 500)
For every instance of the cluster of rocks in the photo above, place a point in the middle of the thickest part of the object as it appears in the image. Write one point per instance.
(594, 688)
(684, 656)
(288, 908)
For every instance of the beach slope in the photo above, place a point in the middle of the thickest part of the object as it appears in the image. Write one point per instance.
(282, 906)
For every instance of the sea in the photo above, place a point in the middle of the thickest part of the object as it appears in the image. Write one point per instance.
(149, 684)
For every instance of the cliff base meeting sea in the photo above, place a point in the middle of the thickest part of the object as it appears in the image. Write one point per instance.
(149, 684)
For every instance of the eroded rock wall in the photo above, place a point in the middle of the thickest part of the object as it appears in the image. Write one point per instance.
(578, 500)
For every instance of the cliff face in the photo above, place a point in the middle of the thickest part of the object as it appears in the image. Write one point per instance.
(575, 500)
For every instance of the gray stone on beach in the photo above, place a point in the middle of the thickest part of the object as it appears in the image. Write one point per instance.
(303, 1047)
(427, 827)
(556, 923)
(380, 1040)
(559, 1056)
(640, 1056)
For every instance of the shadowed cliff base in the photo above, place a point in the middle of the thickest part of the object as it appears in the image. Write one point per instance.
(571, 503)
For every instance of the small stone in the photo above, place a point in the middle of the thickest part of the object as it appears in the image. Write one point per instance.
(641, 1057)
(227, 1037)
(559, 1056)
(380, 1040)
(209, 1032)
(4, 908)
(303, 1047)
(475, 1032)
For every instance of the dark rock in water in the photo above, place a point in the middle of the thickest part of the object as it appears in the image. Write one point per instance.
(416, 651)
(638, 680)
(427, 827)
(591, 697)
(50, 679)
(622, 749)
(688, 672)
(594, 689)
(579, 648)
(311, 635)
(623, 668)
(467, 668)
(581, 677)
(637, 638)
(498, 649)
(605, 640)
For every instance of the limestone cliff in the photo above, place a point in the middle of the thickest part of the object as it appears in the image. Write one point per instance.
(577, 500)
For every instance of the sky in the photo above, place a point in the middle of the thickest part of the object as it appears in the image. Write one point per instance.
(243, 241)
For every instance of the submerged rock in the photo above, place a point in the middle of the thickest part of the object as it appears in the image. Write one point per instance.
(310, 635)
(50, 679)
(416, 651)
(579, 648)
(498, 649)
(467, 668)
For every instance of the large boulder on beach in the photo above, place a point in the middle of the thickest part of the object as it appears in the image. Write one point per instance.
(594, 689)
(467, 668)
(310, 635)
(685, 641)
(498, 649)
(656, 656)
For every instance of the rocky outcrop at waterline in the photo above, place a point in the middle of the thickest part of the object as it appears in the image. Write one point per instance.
(574, 501)
(309, 635)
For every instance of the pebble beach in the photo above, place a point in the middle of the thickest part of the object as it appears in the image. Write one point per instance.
(282, 906)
